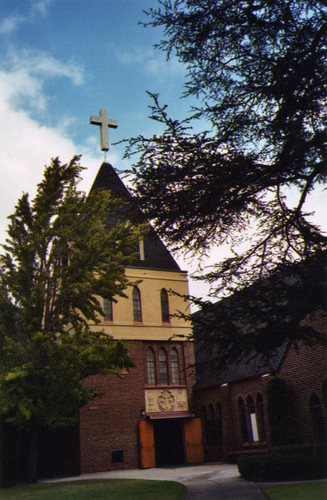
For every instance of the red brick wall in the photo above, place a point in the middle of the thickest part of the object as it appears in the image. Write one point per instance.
(244, 388)
(111, 422)
(305, 370)
(228, 396)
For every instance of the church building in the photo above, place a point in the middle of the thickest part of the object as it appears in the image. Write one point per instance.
(145, 418)
(171, 408)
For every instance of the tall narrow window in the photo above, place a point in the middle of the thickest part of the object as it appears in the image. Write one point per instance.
(324, 393)
(204, 424)
(163, 372)
(219, 423)
(212, 425)
(137, 309)
(253, 419)
(150, 366)
(107, 309)
(174, 365)
(164, 306)
(141, 249)
(242, 420)
(261, 417)
(318, 419)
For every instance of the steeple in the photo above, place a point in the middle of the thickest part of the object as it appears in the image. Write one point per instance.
(153, 253)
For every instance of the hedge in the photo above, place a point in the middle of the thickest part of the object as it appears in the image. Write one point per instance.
(293, 462)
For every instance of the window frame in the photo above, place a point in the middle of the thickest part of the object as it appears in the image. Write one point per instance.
(242, 418)
(137, 305)
(219, 423)
(163, 366)
(107, 307)
(253, 420)
(164, 302)
(261, 417)
(212, 434)
(318, 418)
(151, 375)
(174, 367)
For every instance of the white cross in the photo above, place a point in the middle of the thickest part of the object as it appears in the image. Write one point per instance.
(104, 123)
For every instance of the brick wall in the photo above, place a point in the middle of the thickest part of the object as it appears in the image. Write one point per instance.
(110, 423)
(228, 395)
(305, 370)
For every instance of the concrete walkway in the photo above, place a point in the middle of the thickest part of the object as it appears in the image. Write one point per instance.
(211, 481)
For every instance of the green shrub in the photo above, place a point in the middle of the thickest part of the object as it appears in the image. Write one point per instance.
(294, 462)
(306, 449)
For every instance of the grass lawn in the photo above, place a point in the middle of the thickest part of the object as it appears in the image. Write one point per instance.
(103, 489)
(303, 491)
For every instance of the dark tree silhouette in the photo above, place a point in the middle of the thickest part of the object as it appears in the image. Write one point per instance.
(257, 68)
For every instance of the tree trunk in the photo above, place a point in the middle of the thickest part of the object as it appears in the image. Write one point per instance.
(32, 455)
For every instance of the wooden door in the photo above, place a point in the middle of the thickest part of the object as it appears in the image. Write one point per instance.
(147, 449)
(193, 441)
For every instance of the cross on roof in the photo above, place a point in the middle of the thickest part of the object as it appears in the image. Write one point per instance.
(104, 123)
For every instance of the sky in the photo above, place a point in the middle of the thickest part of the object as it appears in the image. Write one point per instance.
(61, 61)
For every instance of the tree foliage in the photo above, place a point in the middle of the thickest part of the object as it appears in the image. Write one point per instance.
(59, 258)
(255, 324)
(258, 71)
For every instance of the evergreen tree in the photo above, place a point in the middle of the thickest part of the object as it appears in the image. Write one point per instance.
(258, 70)
(59, 259)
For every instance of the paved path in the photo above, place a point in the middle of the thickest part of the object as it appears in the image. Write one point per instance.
(211, 481)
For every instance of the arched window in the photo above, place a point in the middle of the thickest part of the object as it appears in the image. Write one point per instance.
(318, 419)
(324, 393)
(137, 308)
(211, 425)
(150, 366)
(107, 310)
(242, 420)
(253, 419)
(174, 367)
(219, 423)
(163, 371)
(164, 306)
(204, 425)
(261, 417)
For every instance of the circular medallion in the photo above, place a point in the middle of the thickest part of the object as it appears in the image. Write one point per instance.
(166, 401)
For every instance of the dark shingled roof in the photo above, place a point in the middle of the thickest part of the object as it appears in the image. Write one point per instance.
(308, 276)
(156, 254)
(208, 376)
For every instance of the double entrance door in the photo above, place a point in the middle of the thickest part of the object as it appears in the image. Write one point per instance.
(170, 442)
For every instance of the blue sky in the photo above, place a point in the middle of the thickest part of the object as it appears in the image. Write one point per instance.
(60, 62)
(79, 56)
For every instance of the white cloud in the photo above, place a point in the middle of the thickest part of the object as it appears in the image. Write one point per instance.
(44, 65)
(26, 145)
(12, 23)
(23, 75)
(152, 62)
(40, 6)
(18, 85)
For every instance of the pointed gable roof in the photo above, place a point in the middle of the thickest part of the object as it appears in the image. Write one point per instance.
(156, 255)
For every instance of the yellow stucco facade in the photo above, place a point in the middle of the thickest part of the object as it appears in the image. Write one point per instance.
(150, 284)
